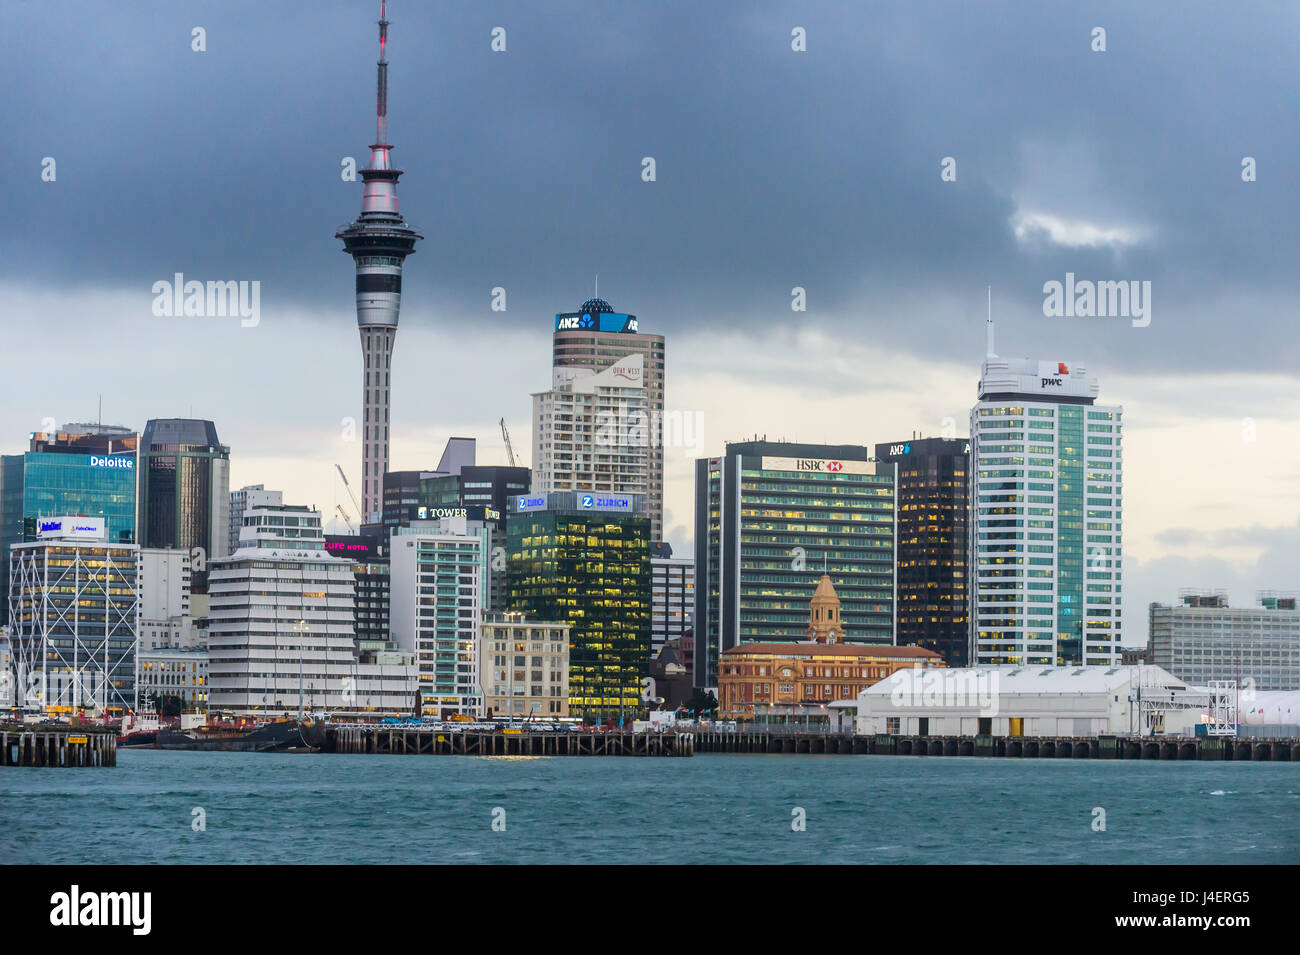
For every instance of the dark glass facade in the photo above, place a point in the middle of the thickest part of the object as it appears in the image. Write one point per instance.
(769, 517)
(933, 610)
(370, 568)
(184, 489)
(590, 570)
(483, 491)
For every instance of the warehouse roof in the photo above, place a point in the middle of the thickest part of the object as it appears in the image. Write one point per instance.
(1045, 679)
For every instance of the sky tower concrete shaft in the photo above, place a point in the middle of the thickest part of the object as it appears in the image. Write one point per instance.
(378, 241)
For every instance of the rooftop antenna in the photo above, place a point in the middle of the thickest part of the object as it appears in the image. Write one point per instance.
(381, 106)
(597, 285)
(989, 325)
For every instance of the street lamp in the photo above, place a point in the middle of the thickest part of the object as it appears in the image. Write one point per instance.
(301, 627)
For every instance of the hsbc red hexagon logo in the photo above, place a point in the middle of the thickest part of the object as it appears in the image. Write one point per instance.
(834, 466)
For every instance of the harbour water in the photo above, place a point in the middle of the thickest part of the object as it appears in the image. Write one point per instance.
(319, 808)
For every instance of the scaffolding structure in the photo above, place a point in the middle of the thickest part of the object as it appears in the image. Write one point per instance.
(73, 613)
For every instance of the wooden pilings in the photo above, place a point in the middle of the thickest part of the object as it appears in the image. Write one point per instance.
(62, 746)
(418, 740)
(1015, 747)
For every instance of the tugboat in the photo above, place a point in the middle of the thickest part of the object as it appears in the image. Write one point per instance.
(140, 729)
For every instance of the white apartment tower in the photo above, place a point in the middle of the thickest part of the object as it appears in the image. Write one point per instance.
(591, 431)
(280, 636)
(436, 592)
(164, 575)
(253, 495)
(1045, 516)
(595, 337)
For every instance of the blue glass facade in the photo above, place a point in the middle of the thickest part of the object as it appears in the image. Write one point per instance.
(52, 483)
(96, 485)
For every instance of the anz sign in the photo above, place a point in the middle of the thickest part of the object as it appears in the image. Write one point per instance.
(596, 322)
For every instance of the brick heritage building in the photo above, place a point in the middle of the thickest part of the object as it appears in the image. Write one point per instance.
(784, 679)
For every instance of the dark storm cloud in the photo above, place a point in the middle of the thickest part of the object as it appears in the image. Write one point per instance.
(775, 168)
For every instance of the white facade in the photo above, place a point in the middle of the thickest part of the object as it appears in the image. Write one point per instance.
(574, 347)
(165, 615)
(254, 495)
(1045, 517)
(672, 599)
(8, 682)
(1031, 701)
(73, 612)
(592, 431)
(280, 632)
(435, 603)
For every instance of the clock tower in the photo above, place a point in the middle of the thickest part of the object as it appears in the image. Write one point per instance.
(824, 624)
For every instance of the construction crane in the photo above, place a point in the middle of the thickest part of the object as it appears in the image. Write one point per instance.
(350, 494)
(510, 452)
(346, 520)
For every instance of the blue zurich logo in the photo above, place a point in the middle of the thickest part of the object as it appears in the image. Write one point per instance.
(588, 500)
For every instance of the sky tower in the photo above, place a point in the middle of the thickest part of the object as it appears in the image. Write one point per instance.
(378, 241)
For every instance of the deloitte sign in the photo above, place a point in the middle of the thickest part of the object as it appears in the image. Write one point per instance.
(120, 462)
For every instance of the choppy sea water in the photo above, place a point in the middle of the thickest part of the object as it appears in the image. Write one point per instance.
(323, 808)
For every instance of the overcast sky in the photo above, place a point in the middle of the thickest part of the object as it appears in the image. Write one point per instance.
(774, 169)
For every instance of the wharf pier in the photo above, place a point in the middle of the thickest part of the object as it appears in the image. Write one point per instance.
(431, 741)
(63, 746)
(1010, 747)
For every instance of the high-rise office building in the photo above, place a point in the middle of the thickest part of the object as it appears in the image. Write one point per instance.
(480, 492)
(436, 613)
(251, 495)
(672, 604)
(1201, 639)
(933, 502)
(584, 560)
(73, 610)
(379, 242)
(368, 555)
(770, 518)
(184, 498)
(594, 338)
(281, 637)
(459, 488)
(1045, 516)
(82, 469)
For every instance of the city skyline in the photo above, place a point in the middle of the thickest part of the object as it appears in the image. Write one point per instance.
(1034, 201)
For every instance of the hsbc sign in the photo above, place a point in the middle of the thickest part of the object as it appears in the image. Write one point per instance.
(819, 465)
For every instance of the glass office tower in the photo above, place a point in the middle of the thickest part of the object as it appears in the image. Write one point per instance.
(184, 489)
(932, 544)
(584, 560)
(1045, 517)
(769, 518)
(84, 469)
